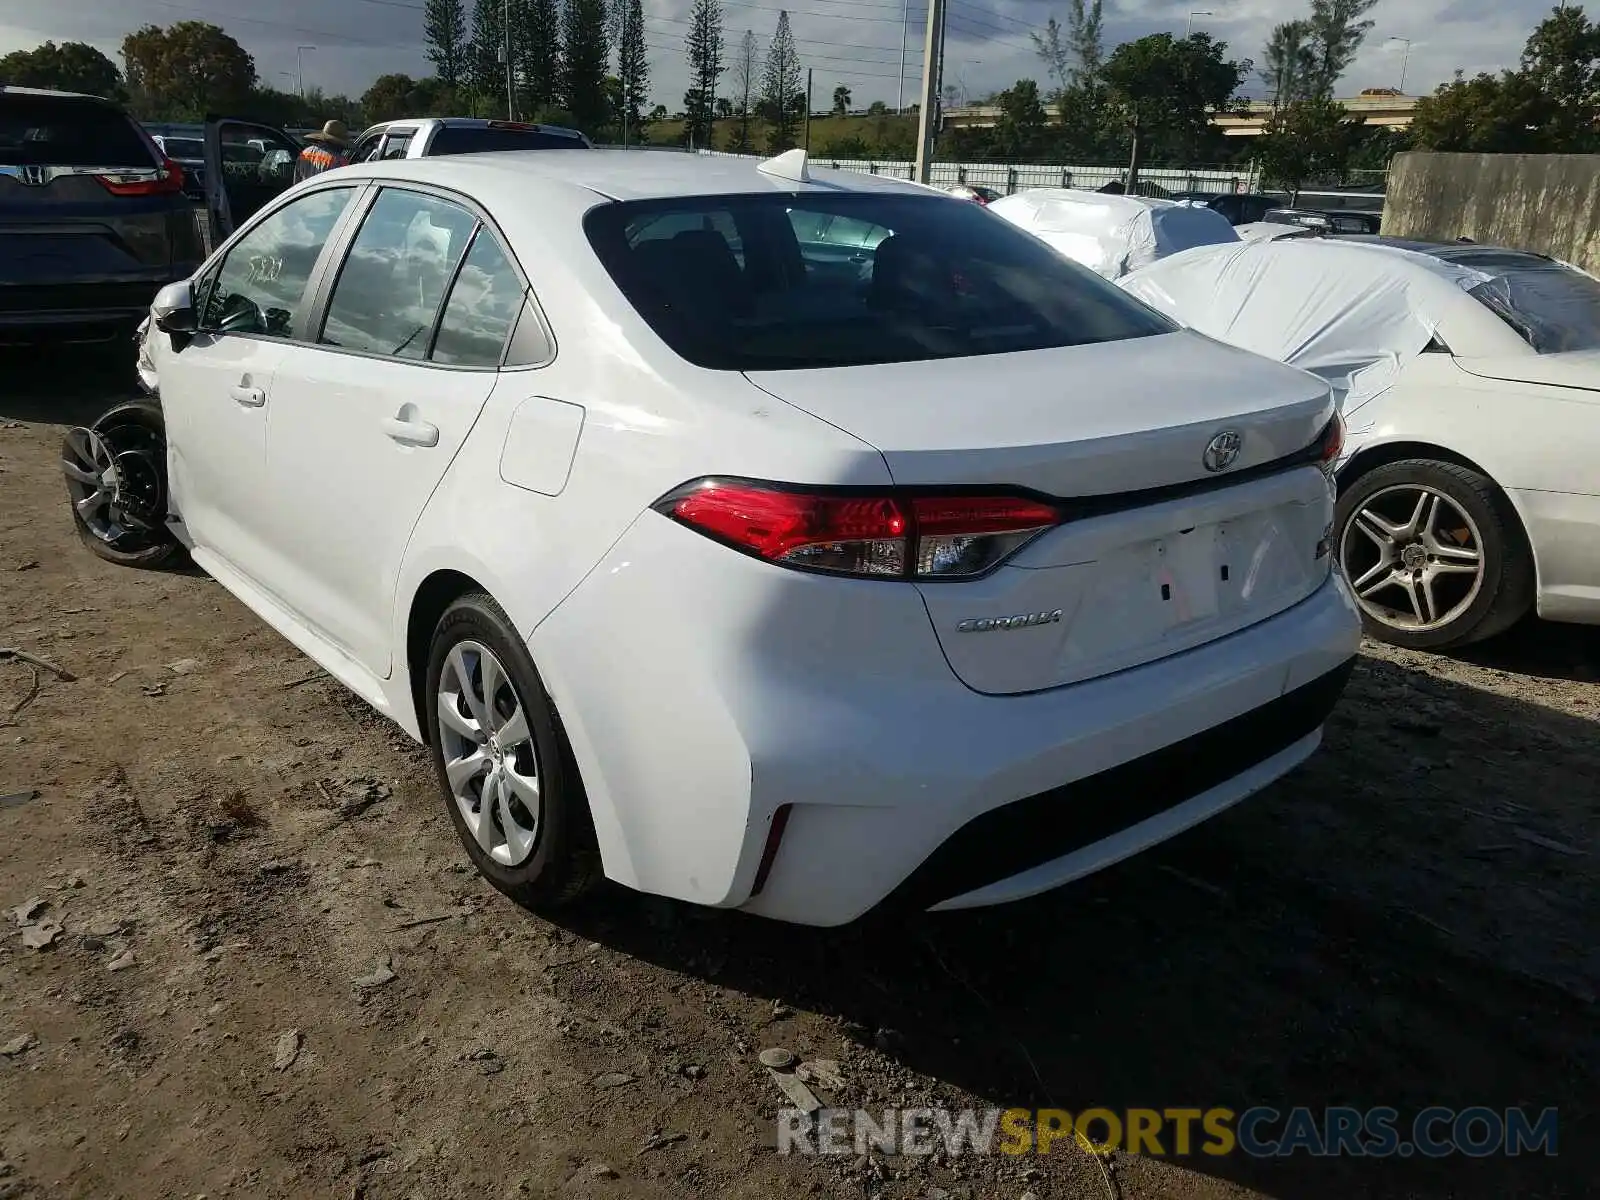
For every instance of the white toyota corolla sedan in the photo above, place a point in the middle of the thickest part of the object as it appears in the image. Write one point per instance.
(785, 541)
(1470, 380)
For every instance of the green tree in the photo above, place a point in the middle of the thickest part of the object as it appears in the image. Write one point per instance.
(486, 71)
(633, 67)
(850, 147)
(1289, 63)
(1085, 34)
(1562, 60)
(1164, 86)
(394, 96)
(1022, 120)
(745, 74)
(69, 67)
(841, 100)
(444, 34)
(1309, 139)
(704, 47)
(1337, 29)
(187, 70)
(780, 79)
(536, 49)
(585, 58)
(1487, 114)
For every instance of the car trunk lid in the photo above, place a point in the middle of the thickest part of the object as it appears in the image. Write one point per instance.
(1578, 369)
(1157, 552)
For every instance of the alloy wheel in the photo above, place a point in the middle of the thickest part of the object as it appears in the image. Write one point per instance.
(490, 758)
(1414, 558)
(116, 489)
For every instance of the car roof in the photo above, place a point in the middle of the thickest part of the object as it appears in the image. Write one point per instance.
(1487, 259)
(469, 123)
(51, 93)
(620, 175)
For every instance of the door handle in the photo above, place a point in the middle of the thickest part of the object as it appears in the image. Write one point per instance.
(411, 433)
(249, 397)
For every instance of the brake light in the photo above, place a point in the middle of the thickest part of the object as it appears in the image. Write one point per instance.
(518, 125)
(1332, 443)
(882, 535)
(164, 180)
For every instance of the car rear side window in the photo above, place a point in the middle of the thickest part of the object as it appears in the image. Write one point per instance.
(395, 275)
(1553, 308)
(483, 305)
(43, 131)
(457, 139)
(827, 279)
(259, 287)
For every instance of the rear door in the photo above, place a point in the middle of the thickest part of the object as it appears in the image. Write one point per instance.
(247, 167)
(366, 420)
(87, 207)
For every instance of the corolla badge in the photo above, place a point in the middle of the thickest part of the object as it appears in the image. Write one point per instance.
(1020, 621)
(1222, 450)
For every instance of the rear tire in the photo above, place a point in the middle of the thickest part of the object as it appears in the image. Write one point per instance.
(116, 474)
(509, 781)
(1435, 554)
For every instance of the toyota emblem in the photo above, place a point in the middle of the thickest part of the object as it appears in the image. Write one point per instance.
(1222, 450)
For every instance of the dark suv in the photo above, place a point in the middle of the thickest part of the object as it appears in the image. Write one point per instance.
(93, 219)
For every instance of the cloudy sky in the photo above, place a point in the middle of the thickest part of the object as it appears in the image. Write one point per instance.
(851, 42)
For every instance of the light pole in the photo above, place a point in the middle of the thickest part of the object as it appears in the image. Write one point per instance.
(300, 64)
(1188, 30)
(900, 94)
(1404, 62)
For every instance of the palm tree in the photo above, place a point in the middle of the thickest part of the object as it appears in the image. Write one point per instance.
(841, 100)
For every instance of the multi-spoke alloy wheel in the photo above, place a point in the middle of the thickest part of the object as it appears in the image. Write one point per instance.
(1414, 557)
(490, 758)
(507, 772)
(116, 475)
(1434, 552)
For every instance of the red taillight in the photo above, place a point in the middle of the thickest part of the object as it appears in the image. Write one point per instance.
(166, 178)
(1332, 443)
(881, 535)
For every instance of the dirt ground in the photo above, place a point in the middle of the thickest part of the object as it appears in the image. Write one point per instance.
(230, 841)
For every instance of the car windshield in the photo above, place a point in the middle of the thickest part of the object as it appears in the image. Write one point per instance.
(44, 131)
(1555, 309)
(832, 279)
(457, 139)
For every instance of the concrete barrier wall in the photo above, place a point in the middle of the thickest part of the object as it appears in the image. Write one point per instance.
(1549, 203)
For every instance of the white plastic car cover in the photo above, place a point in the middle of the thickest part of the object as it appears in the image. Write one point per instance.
(1353, 313)
(1112, 234)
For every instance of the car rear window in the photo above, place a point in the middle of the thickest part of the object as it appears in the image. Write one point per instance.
(830, 279)
(458, 140)
(1554, 308)
(45, 131)
(185, 148)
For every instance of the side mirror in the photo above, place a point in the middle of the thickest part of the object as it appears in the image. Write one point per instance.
(174, 309)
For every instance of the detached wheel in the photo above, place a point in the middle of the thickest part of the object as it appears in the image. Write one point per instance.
(510, 785)
(116, 472)
(1434, 554)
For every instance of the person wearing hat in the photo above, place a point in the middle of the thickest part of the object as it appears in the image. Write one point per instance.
(328, 149)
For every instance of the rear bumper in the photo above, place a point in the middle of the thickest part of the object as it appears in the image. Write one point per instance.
(703, 690)
(102, 302)
(1564, 530)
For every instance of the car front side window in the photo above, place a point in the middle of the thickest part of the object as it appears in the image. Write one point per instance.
(391, 284)
(260, 286)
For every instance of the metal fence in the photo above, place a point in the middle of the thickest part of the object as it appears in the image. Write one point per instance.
(1014, 177)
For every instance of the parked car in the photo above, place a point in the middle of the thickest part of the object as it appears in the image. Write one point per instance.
(190, 154)
(1329, 221)
(1112, 233)
(694, 561)
(1468, 492)
(431, 136)
(93, 220)
(976, 193)
(1239, 208)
